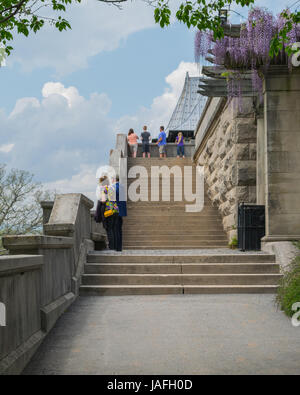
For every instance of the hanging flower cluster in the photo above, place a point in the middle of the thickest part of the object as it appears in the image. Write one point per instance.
(250, 51)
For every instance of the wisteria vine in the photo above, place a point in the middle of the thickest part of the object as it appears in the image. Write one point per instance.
(250, 51)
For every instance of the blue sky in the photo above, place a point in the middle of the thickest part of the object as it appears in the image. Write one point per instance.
(63, 96)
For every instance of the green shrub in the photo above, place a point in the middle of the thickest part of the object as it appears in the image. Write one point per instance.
(234, 242)
(289, 288)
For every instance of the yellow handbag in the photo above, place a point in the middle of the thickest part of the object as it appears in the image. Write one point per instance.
(108, 213)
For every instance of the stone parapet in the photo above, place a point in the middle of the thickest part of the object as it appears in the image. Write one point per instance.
(39, 286)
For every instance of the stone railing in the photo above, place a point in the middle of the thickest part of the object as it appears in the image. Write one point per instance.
(41, 276)
(122, 151)
(171, 149)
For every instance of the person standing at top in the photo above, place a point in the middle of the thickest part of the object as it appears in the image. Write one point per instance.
(146, 142)
(162, 142)
(180, 145)
(132, 141)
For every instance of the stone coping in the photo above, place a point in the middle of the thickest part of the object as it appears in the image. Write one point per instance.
(277, 238)
(88, 202)
(47, 204)
(19, 264)
(171, 144)
(32, 242)
(59, 229)
(98, 236)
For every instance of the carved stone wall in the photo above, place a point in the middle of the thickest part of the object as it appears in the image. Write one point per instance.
(226, 147)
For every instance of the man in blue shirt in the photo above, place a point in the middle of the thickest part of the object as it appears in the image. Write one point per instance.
(162, 142)
(122, 213)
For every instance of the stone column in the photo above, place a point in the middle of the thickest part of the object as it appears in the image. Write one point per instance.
(260, 161)
(282, 156)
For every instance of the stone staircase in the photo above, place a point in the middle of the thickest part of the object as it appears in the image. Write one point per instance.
(170, 251)
(166, 225)
(184, 272)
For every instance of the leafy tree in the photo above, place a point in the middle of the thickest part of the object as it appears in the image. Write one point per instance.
(20, 197)
(25, 16)
(204, 15)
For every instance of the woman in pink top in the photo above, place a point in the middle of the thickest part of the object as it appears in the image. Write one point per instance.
(132, 141)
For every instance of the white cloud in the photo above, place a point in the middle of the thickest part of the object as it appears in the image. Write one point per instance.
(83, 182)
(96, 27)
(6, 148)
(162, 106)
(56, 136)
(63, 138)
(71, 94)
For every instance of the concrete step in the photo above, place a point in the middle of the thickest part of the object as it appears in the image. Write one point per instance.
(160, 161)
(178, 247)
(118, 290)
(177, 268)
(147, 242)
(180, 257)
(171, 211)
(163, 205)
(189, 219)
(180, 279)
(172, 214)
(174, 231)
(166, 228)
(146, 237)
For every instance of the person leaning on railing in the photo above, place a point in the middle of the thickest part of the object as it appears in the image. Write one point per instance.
(180, 145)
(132, 139)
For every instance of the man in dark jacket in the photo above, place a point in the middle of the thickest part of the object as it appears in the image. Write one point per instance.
(122, 213)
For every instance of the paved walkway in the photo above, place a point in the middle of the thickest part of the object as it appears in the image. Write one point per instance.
(174, 334)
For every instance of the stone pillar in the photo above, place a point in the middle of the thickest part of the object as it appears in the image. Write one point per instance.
(121, 151)
(121, 143)
(261, 161)
(282, 154)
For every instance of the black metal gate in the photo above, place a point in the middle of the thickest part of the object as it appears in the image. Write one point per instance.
(251, 226)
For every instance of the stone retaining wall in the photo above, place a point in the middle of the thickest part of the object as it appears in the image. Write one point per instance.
(41, 277)
(226, 147)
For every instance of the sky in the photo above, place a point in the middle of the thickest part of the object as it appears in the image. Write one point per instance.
(64, 96)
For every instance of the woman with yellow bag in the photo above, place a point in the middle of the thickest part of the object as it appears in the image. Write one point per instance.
(110, 215)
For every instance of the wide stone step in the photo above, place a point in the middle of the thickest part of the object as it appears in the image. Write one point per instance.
(185, 268)
(172, 213)
(168, 241)
(169, 210)
(117, 290)
(149, 238)
(176, 219)
(160, 161)
(179, 258)
(178, 247)
(180, 279)
(161, 204)
(166, 228)
(174, 231)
